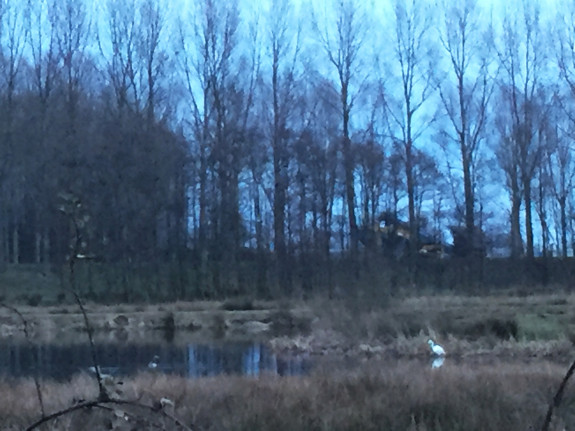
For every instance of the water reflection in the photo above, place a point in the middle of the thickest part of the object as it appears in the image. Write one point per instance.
(437, 362)
(251, 360)
(193, 360)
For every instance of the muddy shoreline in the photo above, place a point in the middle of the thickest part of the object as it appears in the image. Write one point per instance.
(196, 320)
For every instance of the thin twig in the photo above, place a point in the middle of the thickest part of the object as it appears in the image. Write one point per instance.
(90, 331)
(74, 250)
(104, 405)
(174, 420)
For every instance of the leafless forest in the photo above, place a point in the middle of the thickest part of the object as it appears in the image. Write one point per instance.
(224, 147)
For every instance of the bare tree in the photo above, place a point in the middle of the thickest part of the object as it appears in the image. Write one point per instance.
(41, 45)
(221, 99)
(394, 180)
(344, 51)
(317, 174)
(72, 27)
(428, 179)
(371, 161)
(560, 170)
(548, 140)
(120, 29)
(12, 35)
(522, 59)
(195, 47)
(412, 58)
(466, 92)
(152, 23)
(284, 47)
(507, 159)
(564, 171)
(136, 59)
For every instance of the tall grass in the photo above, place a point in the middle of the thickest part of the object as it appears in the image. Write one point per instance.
(375, 396)
(466, 323)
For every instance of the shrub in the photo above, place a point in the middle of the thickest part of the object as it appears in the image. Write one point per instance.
(502, 329)
(34, 300)
(238, 304)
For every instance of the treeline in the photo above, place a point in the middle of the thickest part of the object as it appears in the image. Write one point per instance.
(255, 145)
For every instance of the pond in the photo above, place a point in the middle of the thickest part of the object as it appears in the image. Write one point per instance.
(208, 358)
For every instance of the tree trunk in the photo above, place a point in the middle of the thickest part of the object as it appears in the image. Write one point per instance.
(348, 161)
(411, 200)
(469, 205)
(46, 248)
(15, 243)
(37, 246)
(528, 220)
(563, 210)
(203, 219)
(262, 288)
(279, 186)
(516, 242)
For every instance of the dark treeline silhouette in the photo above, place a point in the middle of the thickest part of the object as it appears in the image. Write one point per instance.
(220, 150)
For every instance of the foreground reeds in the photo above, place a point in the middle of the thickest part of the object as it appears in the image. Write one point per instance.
(374, 396)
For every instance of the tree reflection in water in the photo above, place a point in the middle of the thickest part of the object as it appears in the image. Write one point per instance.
(194, 360)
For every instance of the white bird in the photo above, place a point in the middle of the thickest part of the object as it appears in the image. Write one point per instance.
(153, 364)
(436, 349)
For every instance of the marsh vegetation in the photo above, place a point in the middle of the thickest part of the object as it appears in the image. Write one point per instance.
(376, 396)
(506, 357)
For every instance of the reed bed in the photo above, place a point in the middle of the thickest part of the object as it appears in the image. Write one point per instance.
(376, 395)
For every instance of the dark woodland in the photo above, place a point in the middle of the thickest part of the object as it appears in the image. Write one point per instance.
(219, 150)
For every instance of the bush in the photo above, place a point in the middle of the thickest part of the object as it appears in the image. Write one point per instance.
(238, 304)
(502, 329)
(34, 300)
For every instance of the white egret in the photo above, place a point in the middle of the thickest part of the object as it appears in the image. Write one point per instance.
(153, 364)
(436, 349)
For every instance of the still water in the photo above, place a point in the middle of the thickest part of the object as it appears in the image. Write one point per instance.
(60, 362)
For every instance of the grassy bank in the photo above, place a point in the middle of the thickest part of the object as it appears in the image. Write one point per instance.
(496, 325)
(375, 397)
(536, 325)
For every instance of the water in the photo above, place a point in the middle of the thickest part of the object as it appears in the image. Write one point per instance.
(60, 362)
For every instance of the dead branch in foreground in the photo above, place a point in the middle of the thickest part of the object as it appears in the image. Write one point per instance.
(557, 398)
(109, 405)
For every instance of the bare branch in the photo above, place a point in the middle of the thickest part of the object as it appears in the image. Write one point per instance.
(105, 405)
(557, 398)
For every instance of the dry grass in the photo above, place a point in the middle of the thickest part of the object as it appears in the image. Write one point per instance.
(376, 396)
